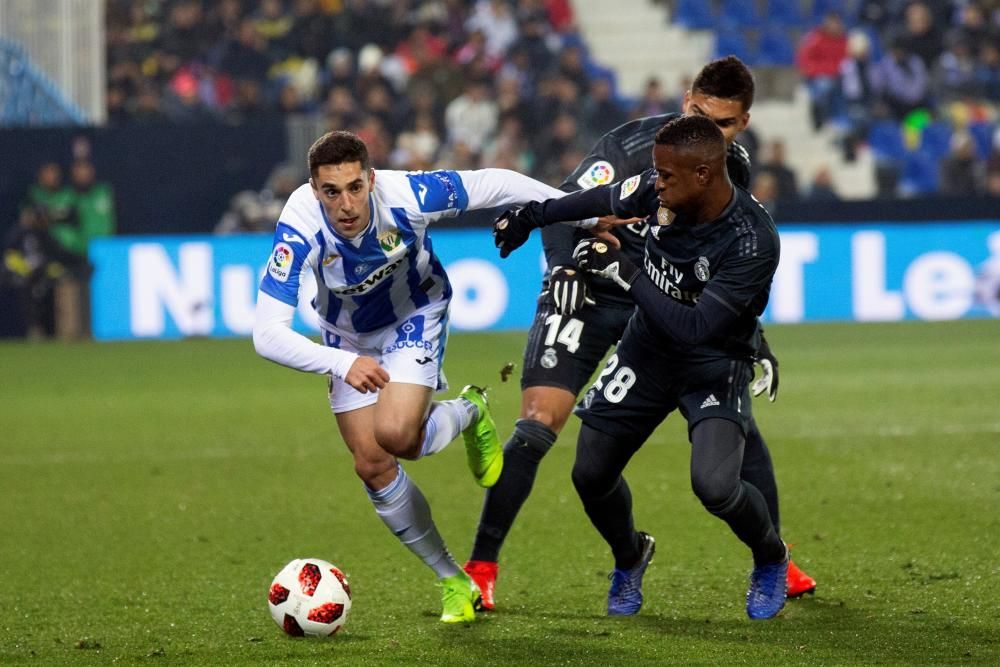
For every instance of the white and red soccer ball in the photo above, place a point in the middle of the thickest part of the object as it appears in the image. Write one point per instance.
(310, 597)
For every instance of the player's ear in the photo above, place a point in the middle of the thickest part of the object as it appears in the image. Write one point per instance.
(703, 174)
(312, 184)
(371, 177)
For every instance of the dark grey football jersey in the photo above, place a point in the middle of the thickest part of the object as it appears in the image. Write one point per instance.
(620, 154)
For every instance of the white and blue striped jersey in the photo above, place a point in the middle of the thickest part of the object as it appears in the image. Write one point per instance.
(384, 274)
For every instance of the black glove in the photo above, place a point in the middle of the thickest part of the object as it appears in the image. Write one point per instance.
(514, 226)
(604, 260)
(768, 381)
(569, 289)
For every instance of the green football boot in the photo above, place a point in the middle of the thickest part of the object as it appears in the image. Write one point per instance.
(482, 444)
(460, 598)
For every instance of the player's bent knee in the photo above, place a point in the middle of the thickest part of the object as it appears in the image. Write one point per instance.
(548, 405)
(375, 472)
(716, 493)
(398, 439)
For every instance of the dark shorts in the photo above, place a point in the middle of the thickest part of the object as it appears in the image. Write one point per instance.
(642, 383)
(564, 351)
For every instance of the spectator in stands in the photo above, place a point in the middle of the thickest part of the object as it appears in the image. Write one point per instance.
(471, 118)
(856, 91)
(653, 101)
(961, 173)
(819, 57)
(495, 19)
(417, 146)
(954, 74)
(900, 80)
(822, 188)
(601, 112)
(921, 34)
(243, 56)
(785, 183)
(988, 72)
(765, 190)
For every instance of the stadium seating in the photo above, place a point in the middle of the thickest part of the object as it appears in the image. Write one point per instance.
(885, 138)
(694, 15)
(733, 41)
(848, 10)
(786, 13)
(982, 135)
(28, 97)
(935, 140)
(739, 14)
(776, 47)
(920, 174)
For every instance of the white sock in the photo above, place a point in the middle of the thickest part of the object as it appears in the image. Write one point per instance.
(403, 508)
(446, 420)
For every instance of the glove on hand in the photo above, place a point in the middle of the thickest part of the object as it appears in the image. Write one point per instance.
(569, 289)
(597, 257)
(768, 380)
(514, 226)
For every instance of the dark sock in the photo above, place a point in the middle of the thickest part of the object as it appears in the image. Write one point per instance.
(523, 452)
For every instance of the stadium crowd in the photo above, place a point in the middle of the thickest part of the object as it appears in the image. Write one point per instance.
(509, 83)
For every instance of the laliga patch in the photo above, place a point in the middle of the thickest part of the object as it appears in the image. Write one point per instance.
(281, 262)
(630, 186)
(599, 173)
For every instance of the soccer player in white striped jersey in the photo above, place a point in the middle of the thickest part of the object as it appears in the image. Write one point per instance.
(382, 305)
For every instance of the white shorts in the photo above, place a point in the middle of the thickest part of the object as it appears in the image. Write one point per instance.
(411, 351)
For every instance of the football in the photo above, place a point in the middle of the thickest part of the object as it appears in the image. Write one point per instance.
(310, 598)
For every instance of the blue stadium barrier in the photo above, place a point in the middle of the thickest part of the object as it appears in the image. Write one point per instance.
(27, 96)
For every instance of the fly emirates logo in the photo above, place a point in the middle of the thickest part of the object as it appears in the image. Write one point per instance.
(667, 277)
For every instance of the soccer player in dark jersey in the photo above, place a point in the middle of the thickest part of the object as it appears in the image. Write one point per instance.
(579, 318)
(704, 279)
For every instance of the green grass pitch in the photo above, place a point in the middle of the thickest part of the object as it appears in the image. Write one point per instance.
(150, 491)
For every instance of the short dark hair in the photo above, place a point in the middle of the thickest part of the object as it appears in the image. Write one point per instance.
(337, 148)
(727, 78)
(695, 132)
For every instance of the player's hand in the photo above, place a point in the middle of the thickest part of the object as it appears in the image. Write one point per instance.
(366, 375)
(569, 289)
(514, 226)
(768, 380)
(597, 257)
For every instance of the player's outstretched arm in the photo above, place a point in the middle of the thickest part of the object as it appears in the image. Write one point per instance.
(514, 226)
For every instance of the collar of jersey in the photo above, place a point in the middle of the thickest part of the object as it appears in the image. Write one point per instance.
(710, 227)
(356, 239)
